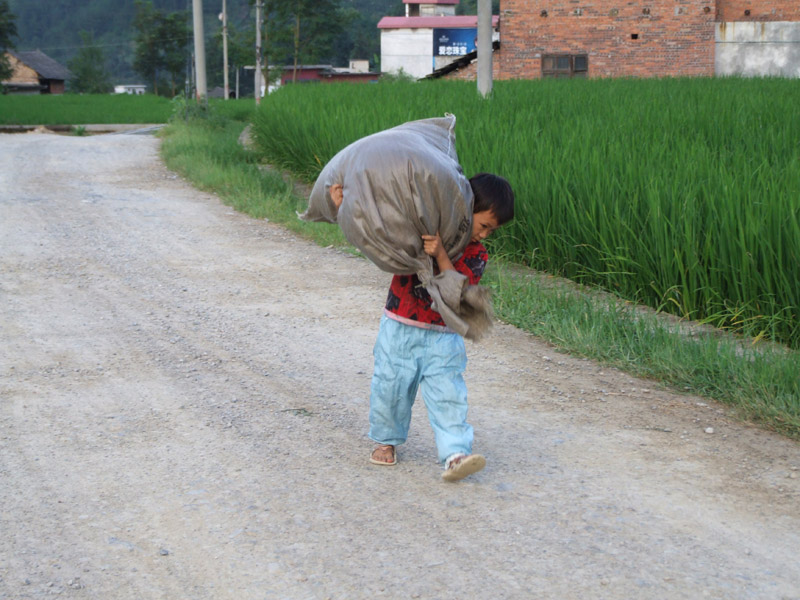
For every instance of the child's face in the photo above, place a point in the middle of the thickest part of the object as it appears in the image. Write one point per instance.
(483, 224)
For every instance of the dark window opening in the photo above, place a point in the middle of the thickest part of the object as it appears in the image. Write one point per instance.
(634, 36)
(565, 65)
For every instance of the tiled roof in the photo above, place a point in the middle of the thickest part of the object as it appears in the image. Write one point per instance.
(45, 66)
(432, 22)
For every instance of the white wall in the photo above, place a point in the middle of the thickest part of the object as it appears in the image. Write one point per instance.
(758, 49)
(409, 49)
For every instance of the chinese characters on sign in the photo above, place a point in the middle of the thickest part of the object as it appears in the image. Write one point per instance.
(454, 42)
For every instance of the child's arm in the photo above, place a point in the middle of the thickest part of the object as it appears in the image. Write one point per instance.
(432, 244)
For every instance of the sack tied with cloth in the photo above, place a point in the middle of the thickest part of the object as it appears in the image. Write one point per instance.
(400, 184)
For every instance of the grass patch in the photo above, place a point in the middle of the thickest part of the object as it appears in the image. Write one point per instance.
(759, 382)
(85, 109)
(80, 109)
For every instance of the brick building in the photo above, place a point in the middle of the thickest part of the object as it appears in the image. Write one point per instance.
(647, 38)
(643, 38)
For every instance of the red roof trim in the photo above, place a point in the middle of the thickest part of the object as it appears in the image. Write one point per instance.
(465, 21)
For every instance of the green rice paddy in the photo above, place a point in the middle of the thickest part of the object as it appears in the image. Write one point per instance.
(682, 194)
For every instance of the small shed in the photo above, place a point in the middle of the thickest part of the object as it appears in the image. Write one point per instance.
(328, 74)
(35, 73)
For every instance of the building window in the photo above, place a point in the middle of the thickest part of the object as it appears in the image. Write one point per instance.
(565, 65)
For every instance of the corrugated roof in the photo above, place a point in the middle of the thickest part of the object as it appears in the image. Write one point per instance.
(464, 21)
(45, 66)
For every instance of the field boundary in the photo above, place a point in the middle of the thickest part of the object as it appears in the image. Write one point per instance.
(91, 128)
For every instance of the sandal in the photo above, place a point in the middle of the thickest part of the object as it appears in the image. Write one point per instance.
(459, 466)
(384, 463)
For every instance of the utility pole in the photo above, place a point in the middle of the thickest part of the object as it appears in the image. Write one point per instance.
(484, 47)
(258, 52)
(225, 48)
(199, 50)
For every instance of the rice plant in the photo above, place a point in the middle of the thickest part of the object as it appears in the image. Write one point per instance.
(683, 194)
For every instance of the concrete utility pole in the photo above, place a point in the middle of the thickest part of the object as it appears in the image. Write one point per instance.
(258, 52)
(484, 47)
(225, 48)
(199, 50)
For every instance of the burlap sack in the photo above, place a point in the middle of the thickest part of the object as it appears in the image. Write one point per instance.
(400, 184)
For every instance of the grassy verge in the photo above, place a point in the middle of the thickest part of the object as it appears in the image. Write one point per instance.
(760, 383)
(207, 152)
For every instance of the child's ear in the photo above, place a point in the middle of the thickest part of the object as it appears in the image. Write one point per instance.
(337, 194)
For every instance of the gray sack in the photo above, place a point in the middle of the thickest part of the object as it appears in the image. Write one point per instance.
(400, 184)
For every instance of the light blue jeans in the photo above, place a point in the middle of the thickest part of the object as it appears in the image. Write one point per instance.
(409, 358)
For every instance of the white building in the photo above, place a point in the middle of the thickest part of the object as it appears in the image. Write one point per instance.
(429, 37)
(135, 89)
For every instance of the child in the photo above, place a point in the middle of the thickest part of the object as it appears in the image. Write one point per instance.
(415, 349)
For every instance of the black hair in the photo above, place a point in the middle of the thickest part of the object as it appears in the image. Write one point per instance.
(493, 193)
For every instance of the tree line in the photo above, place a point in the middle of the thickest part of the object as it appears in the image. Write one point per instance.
(158, 46)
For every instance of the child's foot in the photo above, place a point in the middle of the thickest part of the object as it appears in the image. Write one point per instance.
(459, 466)
(384, 455)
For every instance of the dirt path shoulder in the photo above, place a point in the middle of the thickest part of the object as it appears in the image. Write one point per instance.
(183, 404)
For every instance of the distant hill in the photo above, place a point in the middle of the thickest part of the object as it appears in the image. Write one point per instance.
(54, 28)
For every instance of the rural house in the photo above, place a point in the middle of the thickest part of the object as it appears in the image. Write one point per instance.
(357, 72)
(639, 38)
(35, 73)
(429, 38)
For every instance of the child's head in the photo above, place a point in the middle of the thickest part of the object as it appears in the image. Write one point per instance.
(493, 205)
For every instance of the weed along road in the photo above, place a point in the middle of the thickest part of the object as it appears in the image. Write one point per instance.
(183, 414)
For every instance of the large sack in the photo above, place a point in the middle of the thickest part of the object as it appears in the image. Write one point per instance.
(400, 184)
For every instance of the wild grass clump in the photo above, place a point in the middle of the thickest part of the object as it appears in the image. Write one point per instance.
(682, 194)
(760, 383)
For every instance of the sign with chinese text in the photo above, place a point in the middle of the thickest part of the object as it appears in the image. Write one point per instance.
(454, 42)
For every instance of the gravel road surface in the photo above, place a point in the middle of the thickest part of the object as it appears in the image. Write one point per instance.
(183, 415)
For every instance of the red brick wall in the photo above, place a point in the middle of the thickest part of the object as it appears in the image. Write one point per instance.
(676, 38)
(470, 72)
(760, 10)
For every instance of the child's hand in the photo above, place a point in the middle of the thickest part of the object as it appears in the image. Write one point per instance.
(337, 194)
(432, 244)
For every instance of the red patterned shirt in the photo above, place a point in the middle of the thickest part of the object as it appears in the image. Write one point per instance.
(410, 303)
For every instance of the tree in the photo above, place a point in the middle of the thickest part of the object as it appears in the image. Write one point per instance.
(174, 34)
(8, 30)
(146, 57)
(160, 43)
(88, 67)
(470, 7)
(315, 25)
(240, 53)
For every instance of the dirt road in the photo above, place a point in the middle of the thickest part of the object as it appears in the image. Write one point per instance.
(183, 405)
